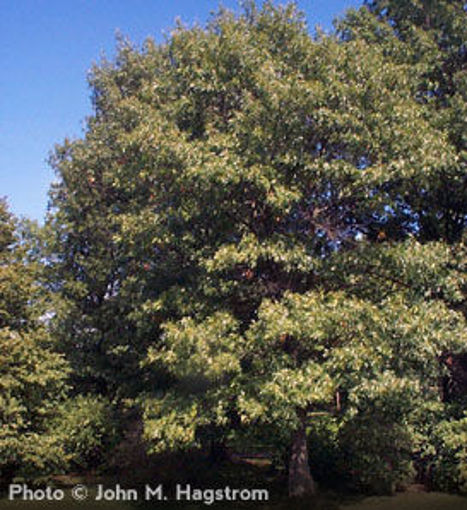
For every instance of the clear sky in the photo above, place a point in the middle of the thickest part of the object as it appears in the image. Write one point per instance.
(46, 50)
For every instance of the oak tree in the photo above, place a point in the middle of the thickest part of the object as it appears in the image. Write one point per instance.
(238, 235)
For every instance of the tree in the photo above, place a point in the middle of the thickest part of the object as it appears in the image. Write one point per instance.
(430, 37)
(32, 374)
(202, 221)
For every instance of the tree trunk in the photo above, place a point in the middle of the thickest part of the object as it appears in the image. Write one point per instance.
(301, 482)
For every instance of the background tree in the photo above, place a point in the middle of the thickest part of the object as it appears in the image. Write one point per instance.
(32, 374)
(430, 37)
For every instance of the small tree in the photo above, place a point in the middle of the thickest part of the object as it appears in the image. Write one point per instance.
(32, 374)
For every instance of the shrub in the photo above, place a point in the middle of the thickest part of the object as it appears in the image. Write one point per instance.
(449, 466)
(86, 429)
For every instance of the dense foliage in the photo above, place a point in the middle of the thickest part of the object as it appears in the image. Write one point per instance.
(32, 374)
(261, 235)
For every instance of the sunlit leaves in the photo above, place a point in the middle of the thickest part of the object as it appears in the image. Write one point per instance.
(242, 234)
(32, 375)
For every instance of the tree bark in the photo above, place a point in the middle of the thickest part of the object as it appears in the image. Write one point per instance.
(301, 482)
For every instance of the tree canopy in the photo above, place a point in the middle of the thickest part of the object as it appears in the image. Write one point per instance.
(32, 374)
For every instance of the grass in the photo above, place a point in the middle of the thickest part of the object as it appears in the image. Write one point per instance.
(411, 501)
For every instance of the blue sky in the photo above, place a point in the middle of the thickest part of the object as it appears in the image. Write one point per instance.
(46, 50)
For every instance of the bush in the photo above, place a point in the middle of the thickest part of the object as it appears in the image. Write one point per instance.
(325, 453)
(86, 428)
(449, 466)
(377, 453)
